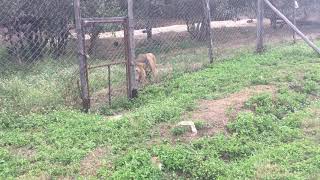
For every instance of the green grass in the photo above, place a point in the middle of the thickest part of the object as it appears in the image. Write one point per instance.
(177, 131)
(52, 84)
(277, 140)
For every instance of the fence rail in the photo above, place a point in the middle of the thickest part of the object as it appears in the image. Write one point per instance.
(104, 20)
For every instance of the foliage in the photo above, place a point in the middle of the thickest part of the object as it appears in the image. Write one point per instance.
(36, 28)
(179, 130)
(286, 101)
(200, 125)
(265, 143)
(136, 165)
(101, 8)
(31, 33)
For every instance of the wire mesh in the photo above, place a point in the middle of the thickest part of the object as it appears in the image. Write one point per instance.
(107, 53)
(105, 44)
(39, 68)
(304, 12)
(38, 59)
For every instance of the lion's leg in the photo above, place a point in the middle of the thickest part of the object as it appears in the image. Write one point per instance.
(153, 67)
(143, 76)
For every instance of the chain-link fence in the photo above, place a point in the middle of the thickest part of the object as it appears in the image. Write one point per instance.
(303, 13)
(39, 66)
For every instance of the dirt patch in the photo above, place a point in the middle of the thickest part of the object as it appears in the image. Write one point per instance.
(24, 152)
(45, 177)
(311, 126)
(265, 169)
(91, 163)
(217, 113)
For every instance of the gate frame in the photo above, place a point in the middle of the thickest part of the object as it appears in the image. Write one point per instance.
(128, 25)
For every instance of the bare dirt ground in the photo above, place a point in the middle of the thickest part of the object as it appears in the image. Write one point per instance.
(24, 152)
(91, 163)
(215, 114)
(174, 28)
(181, 28)
(311, 126)
(227, 35)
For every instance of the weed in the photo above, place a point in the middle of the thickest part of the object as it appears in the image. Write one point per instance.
(136, 165)
(200, 125)
(285, 102)
(179, 130)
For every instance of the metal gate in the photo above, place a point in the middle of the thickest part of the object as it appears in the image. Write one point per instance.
(128, 25)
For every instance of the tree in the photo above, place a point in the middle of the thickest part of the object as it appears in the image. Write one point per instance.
(39, 27)
(148, 11)
(36, 27)
(101, 8)
(242, 7)
(193, 13)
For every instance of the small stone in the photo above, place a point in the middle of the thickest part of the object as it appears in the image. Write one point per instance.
(192, 126)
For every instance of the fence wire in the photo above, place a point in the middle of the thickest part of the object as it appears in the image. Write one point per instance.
(39, 69)
(305, 13)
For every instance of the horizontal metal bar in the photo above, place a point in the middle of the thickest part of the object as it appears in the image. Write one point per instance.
(109, 64)
(104, 20)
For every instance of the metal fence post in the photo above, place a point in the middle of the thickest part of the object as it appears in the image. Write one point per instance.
(132, 84)
(295, 20)
(210, 34)
(83, 66)
(260, 17)
(109, 84)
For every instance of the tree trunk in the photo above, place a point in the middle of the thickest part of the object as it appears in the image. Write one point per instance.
(94, 36)
(149, 30)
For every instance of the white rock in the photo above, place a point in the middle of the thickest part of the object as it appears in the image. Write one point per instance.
(192, 126)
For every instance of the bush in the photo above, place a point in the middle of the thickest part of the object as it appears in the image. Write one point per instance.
(37, 32)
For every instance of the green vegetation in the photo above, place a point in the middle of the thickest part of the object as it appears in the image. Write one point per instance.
(200, 125)
(277, 139)
(179, 130)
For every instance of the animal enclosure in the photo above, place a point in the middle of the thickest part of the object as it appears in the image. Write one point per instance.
(248, 109)
(184, 35)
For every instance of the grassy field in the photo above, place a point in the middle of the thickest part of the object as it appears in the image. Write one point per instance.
(274, 136)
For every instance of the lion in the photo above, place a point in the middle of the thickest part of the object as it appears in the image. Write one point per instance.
(146, 64)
